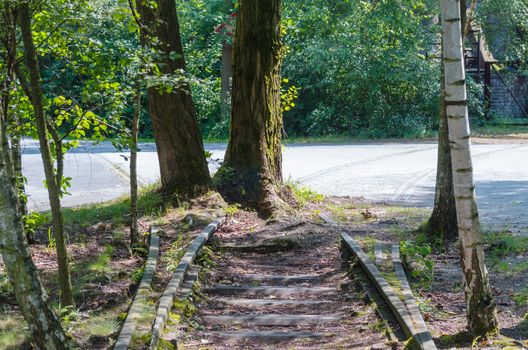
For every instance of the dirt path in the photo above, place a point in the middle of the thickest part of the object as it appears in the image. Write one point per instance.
(291, 294)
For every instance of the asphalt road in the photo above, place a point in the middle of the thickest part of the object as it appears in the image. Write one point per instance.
(402, 173)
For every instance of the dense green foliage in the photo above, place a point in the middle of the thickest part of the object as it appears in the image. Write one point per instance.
(506, 26)
(359, 68)
(363, 68)
(351, 67)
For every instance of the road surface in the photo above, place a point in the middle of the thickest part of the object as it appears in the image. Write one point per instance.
(402, 173)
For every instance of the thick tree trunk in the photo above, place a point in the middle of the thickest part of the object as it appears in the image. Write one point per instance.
(66, 296)
(252, 170)
(133, 167)
(183, 165)
(481, 312)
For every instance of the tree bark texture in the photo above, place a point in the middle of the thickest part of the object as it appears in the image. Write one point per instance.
(133, 166)
(11, 119)
(183, 166)
(443, 220)
(227, 74)
(66, 296)
(480, 304)
(44, 326)
(252, 170)
(10, 43)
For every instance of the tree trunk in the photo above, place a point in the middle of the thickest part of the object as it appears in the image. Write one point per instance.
(11, 119)
(181, 155)
(227, 74)
(443, 220)
(44, 325)
(10, 39)
(66, 297)
(133, 166)
(17, 161)
(4, 143)
(481, 312)
(252, 170)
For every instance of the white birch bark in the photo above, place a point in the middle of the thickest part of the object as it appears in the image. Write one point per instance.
(479, 298)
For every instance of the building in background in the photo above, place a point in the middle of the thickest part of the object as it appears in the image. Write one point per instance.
(505, 87)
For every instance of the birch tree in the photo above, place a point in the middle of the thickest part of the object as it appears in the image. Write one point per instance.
(480, 304)
(443, 220)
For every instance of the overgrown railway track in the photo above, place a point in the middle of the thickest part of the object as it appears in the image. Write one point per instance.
(286, 288)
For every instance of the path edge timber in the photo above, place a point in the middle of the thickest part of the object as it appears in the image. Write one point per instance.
(167, 299)
(387, 293)
(129, 326)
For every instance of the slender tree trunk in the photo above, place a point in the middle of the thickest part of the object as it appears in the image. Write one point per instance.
(443, 220)
(133, 166)
(10, 40)
(4, 143)
(481, 311)
(44, 325)
(59, 155)
(252, 170)
(11, 119)
(227, 73)
(17, 161)
(181, 155)
(66, 296)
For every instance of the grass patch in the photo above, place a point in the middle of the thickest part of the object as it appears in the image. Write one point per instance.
(408, 213)
(150, 202)
(232, 209)
(338, 212)
(304, 194)
(13, 332)
(89, 272)
(5, 285)
(102, 261)
(503, 251)
(172, 255)
(499, 129)
(521, 298)
(505, 243)
(103, 324)
(344, 139)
